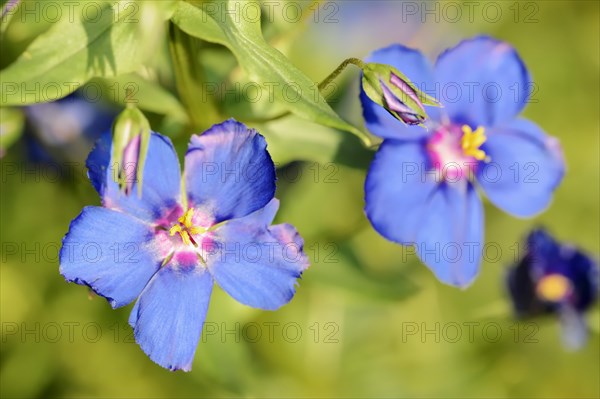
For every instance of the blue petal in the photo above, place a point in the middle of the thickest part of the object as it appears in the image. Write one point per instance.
(418, 69)
(574, 328)
(161, 179)
(526, 167)
(229, 172)
(450, 239)
(256, 265)
(397, 189)
(98, 162)
(543, 251)
(521, 288)
(110, 252)
(482, 82)
(583, 272)
(170, 312)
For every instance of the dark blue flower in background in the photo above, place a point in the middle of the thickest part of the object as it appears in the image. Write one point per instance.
(62, 130)
(167, 248)
(421, 188)
(554, 278)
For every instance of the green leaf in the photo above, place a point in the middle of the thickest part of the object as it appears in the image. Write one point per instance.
(288, 140)
(145, 94)
(242, 34)
(12, 122)
(117, 40)
(196, 22)
(291, 139)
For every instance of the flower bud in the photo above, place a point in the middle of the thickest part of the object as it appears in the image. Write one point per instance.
(388, 87)
(131, 136)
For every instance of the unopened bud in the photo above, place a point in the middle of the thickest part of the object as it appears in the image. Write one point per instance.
(131, 136)
(388, 87)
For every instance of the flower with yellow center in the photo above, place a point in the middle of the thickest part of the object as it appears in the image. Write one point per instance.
(553, 287)
(186, 228)
(472, 140)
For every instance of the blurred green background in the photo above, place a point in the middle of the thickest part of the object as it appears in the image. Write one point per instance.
(368, 320)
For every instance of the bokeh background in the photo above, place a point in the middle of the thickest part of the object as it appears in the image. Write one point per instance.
(368, 319)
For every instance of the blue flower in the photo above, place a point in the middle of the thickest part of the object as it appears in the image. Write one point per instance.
(62, 128)
(166, 248)
(554, 278)
(421, 186)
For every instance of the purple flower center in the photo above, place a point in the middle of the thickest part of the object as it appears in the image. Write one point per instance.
(454, 151)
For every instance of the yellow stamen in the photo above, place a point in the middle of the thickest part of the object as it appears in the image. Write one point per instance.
(472, 140)
(185, 236)
(175, 229)
(185, 227)
(186, 219)
(553, 287)
(196, 230)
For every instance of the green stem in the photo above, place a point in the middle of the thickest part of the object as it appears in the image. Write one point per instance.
(354, 61)
(190, 79)
(339, 70)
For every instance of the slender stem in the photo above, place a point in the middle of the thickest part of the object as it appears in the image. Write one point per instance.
(354, 61)
(189, 79)
(339, 70)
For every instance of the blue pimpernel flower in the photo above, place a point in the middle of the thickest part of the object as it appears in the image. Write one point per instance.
(421, 186)
(554, 278)
(166, 248)
(66, 128)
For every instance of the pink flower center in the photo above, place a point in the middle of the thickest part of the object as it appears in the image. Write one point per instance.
(184, 236)
(455, 151)
(186, 229)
